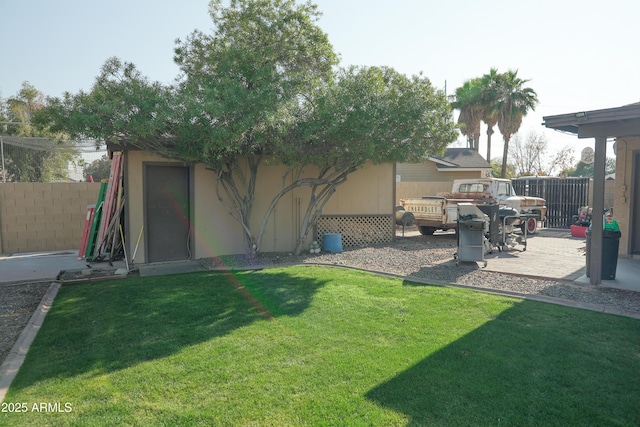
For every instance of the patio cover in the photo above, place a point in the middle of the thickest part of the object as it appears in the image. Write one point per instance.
(601, 125)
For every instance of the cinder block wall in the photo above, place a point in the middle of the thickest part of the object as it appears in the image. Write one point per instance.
(43, 216)
(609, 193)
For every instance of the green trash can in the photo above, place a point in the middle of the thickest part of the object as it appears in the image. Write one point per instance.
(610, 248)
(588, 251)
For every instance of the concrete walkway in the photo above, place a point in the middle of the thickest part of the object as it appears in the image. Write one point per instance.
(44, 266)
(627, 276)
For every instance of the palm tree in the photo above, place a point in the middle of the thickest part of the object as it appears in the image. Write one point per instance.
(467, 100)
(514, 102)
(489, 100)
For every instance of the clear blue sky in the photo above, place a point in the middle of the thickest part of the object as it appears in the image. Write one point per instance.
(579, 55)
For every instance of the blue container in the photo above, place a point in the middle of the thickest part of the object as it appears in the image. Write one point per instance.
(332, 242)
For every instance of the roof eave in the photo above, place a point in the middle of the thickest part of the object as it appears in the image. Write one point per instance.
(442, 162)
(610, 122)
(459, 169)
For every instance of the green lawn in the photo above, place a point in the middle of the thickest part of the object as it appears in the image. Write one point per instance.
(322, 346)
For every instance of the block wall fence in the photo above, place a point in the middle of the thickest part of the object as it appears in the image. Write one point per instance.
(43, 216)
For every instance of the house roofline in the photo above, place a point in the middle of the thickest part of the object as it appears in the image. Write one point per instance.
(608, 122)
(456, 169)
(442, 162)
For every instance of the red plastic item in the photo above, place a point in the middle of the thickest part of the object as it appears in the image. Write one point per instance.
(579, 231)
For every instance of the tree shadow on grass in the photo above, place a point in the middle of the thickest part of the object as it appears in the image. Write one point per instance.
(108, 326)
(448, 271)
(533, 364)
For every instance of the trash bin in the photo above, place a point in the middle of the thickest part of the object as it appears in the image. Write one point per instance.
(588, 251)
(610, 247)
(332, 242)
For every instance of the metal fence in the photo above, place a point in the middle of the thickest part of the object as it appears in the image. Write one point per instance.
(564, 196)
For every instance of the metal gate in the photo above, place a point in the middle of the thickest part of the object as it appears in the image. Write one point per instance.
(564, 196)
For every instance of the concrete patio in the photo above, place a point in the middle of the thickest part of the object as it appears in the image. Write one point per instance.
(554, 254)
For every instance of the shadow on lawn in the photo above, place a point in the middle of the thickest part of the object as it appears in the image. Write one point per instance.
(453, 271)
(525, 367)
(103, 327)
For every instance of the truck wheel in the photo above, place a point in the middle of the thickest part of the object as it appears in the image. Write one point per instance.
(426, 231)
(531, 224)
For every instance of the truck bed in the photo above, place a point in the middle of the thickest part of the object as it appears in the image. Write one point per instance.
(440, 212)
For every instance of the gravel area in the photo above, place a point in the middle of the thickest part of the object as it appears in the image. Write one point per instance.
(431, 259)
(428, 258)
(17, 305)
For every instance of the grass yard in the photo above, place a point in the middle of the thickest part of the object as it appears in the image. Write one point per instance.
(321, 346)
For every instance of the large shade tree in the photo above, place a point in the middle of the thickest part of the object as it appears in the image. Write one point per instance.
(30, 154)
(98, 169)
(263, 87)
(366, 115)
(582, 169)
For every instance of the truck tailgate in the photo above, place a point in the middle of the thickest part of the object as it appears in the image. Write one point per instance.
(432, 208)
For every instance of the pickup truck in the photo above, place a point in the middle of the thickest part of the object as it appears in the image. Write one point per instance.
(441, 212)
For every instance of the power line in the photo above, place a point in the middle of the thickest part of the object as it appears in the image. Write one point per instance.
(39, 143)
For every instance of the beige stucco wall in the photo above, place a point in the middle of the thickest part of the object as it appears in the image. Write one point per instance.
(134, 207)
(368, 191)
(424, 179)
(625, 148)
(43, 216)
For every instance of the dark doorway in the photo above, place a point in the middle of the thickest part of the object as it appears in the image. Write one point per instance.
(634, 217)
(167, 202)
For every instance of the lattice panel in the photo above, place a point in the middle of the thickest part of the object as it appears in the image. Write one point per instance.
(357, 230)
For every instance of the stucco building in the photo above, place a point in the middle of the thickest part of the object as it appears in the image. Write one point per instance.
(175, 209)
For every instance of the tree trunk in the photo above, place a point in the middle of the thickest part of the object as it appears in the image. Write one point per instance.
(317, 203)
(239, 204)
(489, 133)
(505, 152)
(314, 210)
(296, 183)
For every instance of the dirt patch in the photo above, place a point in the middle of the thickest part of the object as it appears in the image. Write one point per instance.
(17, 305)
